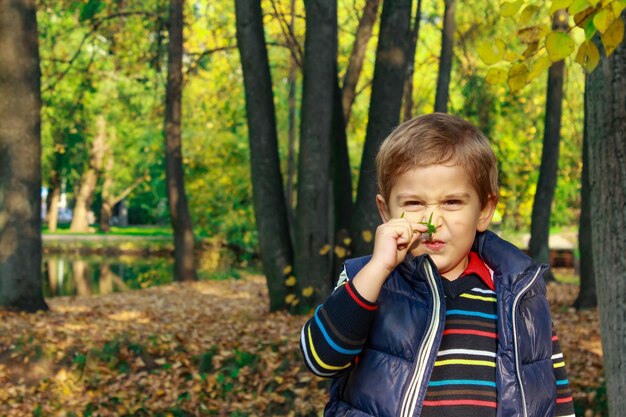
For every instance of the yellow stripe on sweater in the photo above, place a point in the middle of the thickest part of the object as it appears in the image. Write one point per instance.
(465, 362)
(559, 364)
(317, 358)
(478, 297)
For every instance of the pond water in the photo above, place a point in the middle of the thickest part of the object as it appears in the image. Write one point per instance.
(68, 274)
(89, 275)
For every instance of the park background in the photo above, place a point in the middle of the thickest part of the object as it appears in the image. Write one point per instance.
(138, 280)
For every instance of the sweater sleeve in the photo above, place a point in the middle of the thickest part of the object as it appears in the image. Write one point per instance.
(564, 400)
(331, 340)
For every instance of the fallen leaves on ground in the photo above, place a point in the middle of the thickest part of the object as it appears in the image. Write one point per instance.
(205, 348)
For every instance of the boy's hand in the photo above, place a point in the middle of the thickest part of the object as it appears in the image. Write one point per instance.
(393, 240)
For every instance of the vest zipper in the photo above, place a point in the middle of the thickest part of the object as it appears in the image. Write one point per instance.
(409, 402)
(515, 347)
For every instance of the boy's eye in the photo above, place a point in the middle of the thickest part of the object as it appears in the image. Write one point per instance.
(454, 202)
(413, 203)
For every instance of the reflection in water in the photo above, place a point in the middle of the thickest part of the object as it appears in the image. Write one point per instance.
(85, 275)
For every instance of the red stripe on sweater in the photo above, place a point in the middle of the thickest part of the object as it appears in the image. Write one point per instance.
(492, 404)
(358, 301)
(472, 332)
(564, 400)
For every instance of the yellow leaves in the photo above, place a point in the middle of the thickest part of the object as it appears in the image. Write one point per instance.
(559, 4)
(510, 8)
(539, 66)
(367, 236)
(603, 19)
(559, 45)
(533, 34)
(588, 56)
(291, 281)
(292, 300)
(613, 36)
(528, 15)
(340, 251)
(287, 270)
(491, 52)
(496, 75)
(518, 76)
(324, 249)
(308, 291)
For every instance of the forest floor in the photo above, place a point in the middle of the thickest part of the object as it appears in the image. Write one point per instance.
(205, 348)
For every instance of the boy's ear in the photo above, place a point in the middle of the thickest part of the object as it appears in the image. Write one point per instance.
(382, 208)
(486, 214)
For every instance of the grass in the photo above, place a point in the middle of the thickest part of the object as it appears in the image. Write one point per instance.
(148, 230)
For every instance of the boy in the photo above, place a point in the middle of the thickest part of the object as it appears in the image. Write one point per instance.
(444, 318)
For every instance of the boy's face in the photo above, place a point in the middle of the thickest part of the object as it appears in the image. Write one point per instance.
(447, 193)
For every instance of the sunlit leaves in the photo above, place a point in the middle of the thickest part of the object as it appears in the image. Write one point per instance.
(613, 36)
(593, 16)
(517, 76)
(496, 75)
(491, 52)
(559, 45)
(588, 56)
(510, 8)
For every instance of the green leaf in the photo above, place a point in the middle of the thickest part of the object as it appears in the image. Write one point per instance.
(518, 77)
(588, 56)
(603, 19)
(559, 4)
(559, 45)
(578, 6)
(496, 75)
(510, 8)
(613, 36)
(491, 52)
(528, 14)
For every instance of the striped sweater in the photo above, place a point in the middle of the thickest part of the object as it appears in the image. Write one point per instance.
(462, 383)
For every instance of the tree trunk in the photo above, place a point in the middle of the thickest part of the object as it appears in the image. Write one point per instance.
(606, 130)
(291, 152)
(20, 158)
(184, 241)
(445, 59)
(107, 194)
(342, 186)
(355, 65)
(548, 172)
(54, 197)
(410, 69)
(314, 228)
(267, 185)
(89, 179)
(384, 114)
(587, 297)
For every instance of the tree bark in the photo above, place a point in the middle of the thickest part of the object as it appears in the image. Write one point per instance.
(89, 179)
(267, 185)
(355, 65)
(410, 69)
(445, 59)
(548, 172)
(54, 197)
(20, 158)
(314, 229)
(606, 130)
(291, 147)
(384, 115)
(587, 297)
(342, 186)
(184, 241)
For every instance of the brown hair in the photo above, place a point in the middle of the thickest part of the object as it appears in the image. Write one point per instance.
(438, 139)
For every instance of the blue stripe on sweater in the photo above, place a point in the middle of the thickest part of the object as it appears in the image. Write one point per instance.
(472, 313)
(462, 382)
(329, 340)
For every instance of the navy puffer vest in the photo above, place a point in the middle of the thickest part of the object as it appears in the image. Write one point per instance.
(394, 368)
